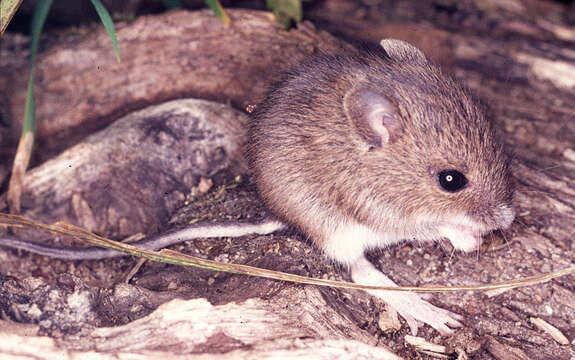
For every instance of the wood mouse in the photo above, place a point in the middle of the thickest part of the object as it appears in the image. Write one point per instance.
(361, 150)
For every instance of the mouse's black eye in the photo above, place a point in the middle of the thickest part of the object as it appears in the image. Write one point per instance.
(451, 180)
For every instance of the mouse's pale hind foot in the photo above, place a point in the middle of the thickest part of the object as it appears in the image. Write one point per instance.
(414, 310)
(409, 305)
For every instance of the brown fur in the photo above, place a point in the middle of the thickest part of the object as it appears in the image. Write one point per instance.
(313, 167)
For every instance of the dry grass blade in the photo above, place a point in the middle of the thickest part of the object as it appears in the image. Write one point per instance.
(428, 348)
(555, 333)
(21, 161)
(176, 258)
(422, 345)
(7, 10)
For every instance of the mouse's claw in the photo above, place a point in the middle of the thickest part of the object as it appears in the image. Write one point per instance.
(412, 323)
(413, 309)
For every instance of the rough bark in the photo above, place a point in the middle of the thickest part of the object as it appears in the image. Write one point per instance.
(129, 177)
(81, 87)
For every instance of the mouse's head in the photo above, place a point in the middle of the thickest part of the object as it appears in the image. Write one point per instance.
(428, 147)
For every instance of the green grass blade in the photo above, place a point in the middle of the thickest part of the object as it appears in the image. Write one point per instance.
(286, 11)
(26, 142)
(108, 24)
(219, 11)
(29, 124)
(7, 10)
(172, 4)
(38, 20)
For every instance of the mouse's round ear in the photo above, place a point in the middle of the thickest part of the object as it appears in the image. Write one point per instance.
(402, 51)
(373, 115)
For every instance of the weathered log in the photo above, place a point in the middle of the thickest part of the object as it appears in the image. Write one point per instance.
(129, 177)
(297, 323)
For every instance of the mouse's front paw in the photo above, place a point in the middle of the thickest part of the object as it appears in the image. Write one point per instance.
(413, 309)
